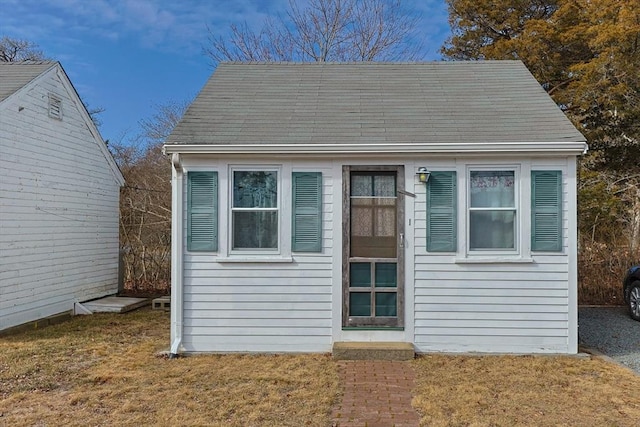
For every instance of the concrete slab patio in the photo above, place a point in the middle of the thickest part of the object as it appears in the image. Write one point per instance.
(114, 304)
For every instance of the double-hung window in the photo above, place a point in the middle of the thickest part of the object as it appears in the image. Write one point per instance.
(493, 213)
(497, 207)
(255, 210)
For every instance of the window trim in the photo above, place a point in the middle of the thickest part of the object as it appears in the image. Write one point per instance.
(519, 230)
(279, 209)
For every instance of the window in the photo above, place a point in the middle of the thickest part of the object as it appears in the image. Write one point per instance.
(254, 210)
(373, 214)
(494, 222)
(492, 210)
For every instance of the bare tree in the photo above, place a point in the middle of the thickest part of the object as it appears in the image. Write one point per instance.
(14, 50)
(166, 116)
(145, 202)
(325, 30)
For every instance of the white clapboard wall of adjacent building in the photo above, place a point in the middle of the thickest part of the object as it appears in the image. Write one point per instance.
(59, 197)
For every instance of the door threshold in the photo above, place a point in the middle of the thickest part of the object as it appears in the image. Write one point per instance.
(375, 350)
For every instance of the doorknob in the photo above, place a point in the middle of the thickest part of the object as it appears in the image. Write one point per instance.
(402, 240)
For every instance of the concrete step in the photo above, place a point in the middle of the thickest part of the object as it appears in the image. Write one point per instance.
(113, 304)
(373, 351)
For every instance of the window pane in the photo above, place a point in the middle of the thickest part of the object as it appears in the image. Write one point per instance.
(384, 185)
(361, 185)
(386, 274)
(360, 274)
(492, 230)
(373, 184)
(373, 227)
(386, 304)
(373, 217)
(255, 189)
(255, 230)
(360, 304)
(492, 189)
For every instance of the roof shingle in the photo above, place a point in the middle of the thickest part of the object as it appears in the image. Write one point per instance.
(365, 103)
(15, 75)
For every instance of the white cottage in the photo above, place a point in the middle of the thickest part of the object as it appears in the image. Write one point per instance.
(59, 197)
(425, 203)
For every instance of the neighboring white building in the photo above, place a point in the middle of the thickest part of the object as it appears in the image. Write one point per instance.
(300, 220)
(59, 197)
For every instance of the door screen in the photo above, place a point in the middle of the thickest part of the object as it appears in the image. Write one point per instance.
(373, 291)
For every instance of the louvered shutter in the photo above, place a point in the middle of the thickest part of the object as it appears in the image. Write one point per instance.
(546, 211)
(441, 212)
(202, 211)
(307, 212)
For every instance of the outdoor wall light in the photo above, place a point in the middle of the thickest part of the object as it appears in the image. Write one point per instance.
(423, 174)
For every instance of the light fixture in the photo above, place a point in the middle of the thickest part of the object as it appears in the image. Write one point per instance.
(423, 174)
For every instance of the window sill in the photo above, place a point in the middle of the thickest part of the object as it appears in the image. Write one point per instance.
(493, 260)
(255, 259)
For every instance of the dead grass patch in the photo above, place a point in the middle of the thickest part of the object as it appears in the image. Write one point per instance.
(103, 370)
(524, 391)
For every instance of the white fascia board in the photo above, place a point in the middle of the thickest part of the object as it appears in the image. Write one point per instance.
(507, 148)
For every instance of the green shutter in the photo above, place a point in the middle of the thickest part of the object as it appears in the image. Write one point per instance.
(202, 211)
(441, 212)
(546, 211)
(307, 212)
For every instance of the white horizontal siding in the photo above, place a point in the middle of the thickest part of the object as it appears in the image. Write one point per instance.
(517, 307)
(59, 208)
(490, 307)
(261, 307)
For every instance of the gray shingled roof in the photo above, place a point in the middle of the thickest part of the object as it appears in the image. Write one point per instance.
(15, 75)
(366, 103)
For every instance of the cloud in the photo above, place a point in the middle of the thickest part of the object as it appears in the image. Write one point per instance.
(174, 27)
(162, 24)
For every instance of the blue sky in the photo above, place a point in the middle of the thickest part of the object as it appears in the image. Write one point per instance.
(128, 56)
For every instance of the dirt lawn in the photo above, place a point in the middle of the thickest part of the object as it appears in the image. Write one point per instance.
(104, 370)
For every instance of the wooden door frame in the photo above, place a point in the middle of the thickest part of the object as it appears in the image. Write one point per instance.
(383, 323)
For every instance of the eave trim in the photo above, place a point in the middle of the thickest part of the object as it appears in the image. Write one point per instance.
(574, 148)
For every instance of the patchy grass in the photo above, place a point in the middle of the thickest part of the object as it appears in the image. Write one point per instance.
(103, 370)
(524, 391)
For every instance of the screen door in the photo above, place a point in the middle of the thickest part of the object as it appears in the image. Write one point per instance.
(373, 254)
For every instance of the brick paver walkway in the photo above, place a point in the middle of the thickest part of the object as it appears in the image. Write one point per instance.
(376, 393)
